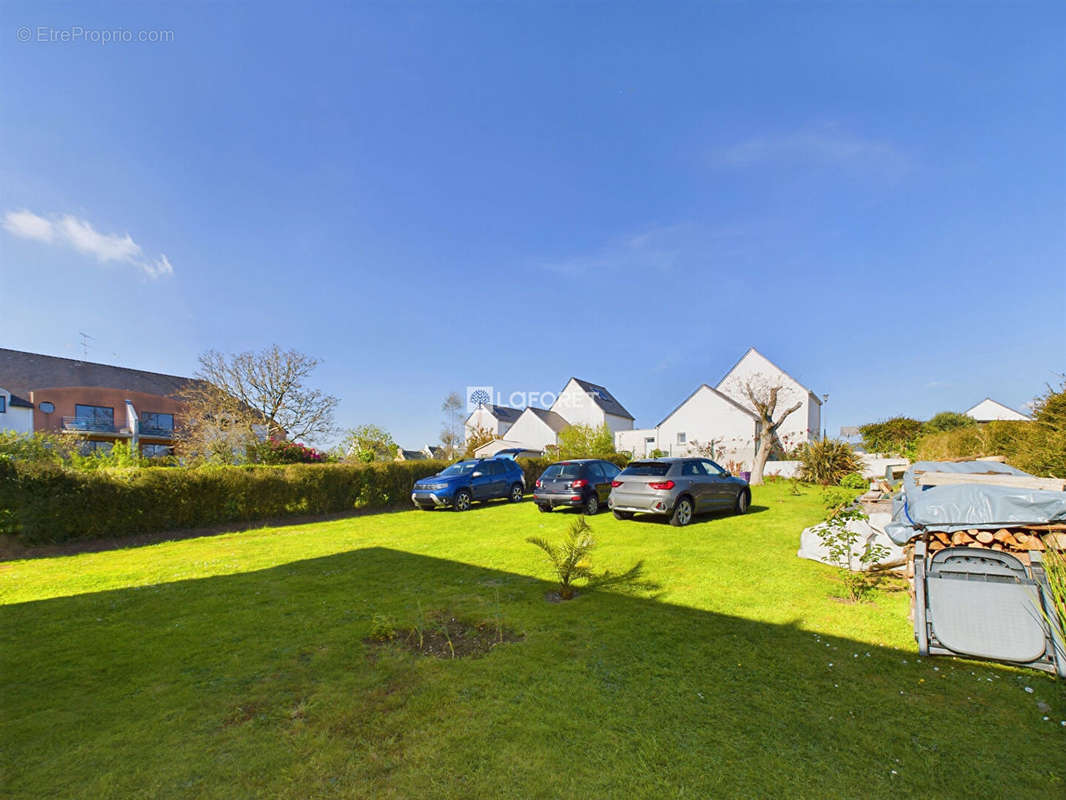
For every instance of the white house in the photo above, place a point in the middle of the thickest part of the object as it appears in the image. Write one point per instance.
(707, 422)
(535, 429)
(584, 403)
(16, 414)
(497, 419)
(720, 421)
(579, 403)
(802, 425)
(988, 410)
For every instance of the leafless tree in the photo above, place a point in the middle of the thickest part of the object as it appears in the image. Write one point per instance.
(763, 397)
(271, 384)
(451, 432)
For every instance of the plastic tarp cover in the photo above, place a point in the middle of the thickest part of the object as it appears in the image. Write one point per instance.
(963, 506)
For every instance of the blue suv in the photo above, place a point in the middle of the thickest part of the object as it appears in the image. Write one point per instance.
(466, 481)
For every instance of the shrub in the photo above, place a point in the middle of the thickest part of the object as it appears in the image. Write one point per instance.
(842, 543)
(45, 502)
(382, 628)
(827, 461)
(1038, 446)
(896, 436)
(853, 480)
(282, 451)
(947, 421)
(570, 560)
(585, 441)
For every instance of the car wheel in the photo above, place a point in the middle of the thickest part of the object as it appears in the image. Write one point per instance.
(516, 493)
(463, 500)
(592, 505)
(544, 507)
(682, 513)
(743, 502)
(623, 515)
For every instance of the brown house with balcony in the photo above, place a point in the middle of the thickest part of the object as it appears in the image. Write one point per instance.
(100, 402)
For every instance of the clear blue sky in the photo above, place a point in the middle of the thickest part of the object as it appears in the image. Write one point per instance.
(433, 196)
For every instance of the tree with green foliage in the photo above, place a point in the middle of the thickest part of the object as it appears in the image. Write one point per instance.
(947, 421)
(478, 437)
(895, 436)
(571, 559)
(585, 441)
(368, 443)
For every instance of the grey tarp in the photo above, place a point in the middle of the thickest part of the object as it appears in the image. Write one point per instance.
(958, 507)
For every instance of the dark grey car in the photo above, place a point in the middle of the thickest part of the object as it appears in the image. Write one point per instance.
(678, 488)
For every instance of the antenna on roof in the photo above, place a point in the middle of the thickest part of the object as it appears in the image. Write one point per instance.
(85, 344)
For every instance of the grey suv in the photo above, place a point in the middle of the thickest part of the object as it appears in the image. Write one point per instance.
(678, 488)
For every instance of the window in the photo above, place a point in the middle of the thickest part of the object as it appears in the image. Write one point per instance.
(653, 469)
(562, 472)
(609, 469)
(693, 468)
(155, 450)
(47, 407)
(94, 418)
(152, 421)
(596, 471)
(88, 448)
(712, 468)
(649, 440)
(3, 404)
(680, 437)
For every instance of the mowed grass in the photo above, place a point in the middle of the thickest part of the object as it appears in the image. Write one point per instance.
(235, 666)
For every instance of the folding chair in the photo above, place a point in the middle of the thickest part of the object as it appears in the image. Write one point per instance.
(987, 605)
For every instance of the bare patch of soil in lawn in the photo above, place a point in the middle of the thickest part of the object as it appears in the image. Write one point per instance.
(445, 636)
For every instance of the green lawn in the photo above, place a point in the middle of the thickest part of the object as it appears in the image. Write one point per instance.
(234, 666)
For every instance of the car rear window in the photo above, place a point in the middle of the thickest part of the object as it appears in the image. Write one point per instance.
(557, 472)
(651, 468)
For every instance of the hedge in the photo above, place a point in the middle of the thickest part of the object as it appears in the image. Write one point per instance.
(45, 503)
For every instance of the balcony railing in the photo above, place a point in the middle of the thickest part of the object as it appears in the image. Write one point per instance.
(157, 432)
(88, 425)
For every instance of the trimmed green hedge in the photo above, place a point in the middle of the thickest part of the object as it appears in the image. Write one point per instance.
(45, 503)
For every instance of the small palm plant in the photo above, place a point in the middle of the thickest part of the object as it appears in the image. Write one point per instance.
(570, 559)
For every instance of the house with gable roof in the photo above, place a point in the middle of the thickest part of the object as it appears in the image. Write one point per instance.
(720, 421)
(580, 402)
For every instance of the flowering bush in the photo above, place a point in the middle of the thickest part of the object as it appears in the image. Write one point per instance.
(282, 451)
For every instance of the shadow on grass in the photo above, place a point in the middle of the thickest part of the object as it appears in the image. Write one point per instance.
(260, 683)
(703, 516)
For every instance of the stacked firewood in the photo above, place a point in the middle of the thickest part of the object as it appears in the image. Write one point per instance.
(1016, 541)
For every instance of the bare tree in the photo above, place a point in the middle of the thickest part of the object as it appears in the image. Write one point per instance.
(271, 384)
(763, 397)
(214, 426)
(451, 432)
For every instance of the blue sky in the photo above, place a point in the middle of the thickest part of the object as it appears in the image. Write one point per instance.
(433, 196)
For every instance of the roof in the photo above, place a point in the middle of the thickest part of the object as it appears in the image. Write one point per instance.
(549, 418)
(1011, 412)
(723, 396)
(603, 398)
(22, 373)
(751, 350)
(412, 455)
(502, 413)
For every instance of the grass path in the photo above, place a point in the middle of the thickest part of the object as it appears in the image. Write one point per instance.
(234, 666)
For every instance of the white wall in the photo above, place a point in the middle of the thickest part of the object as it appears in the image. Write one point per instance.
(483, 418)
(616, 424)
(632, 441)
(19, 420)
(531, 432)
(761, 372)
(704, 418)
(988, 410)
(575, 406)
(872, 467)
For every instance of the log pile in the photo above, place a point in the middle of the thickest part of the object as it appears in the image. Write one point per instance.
(1016, 541)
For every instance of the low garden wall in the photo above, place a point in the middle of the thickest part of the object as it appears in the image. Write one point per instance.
(44, 503)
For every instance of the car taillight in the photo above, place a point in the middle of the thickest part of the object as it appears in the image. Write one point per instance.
(616, 484)
(580, 482)
(661, 485)
(538, 483)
